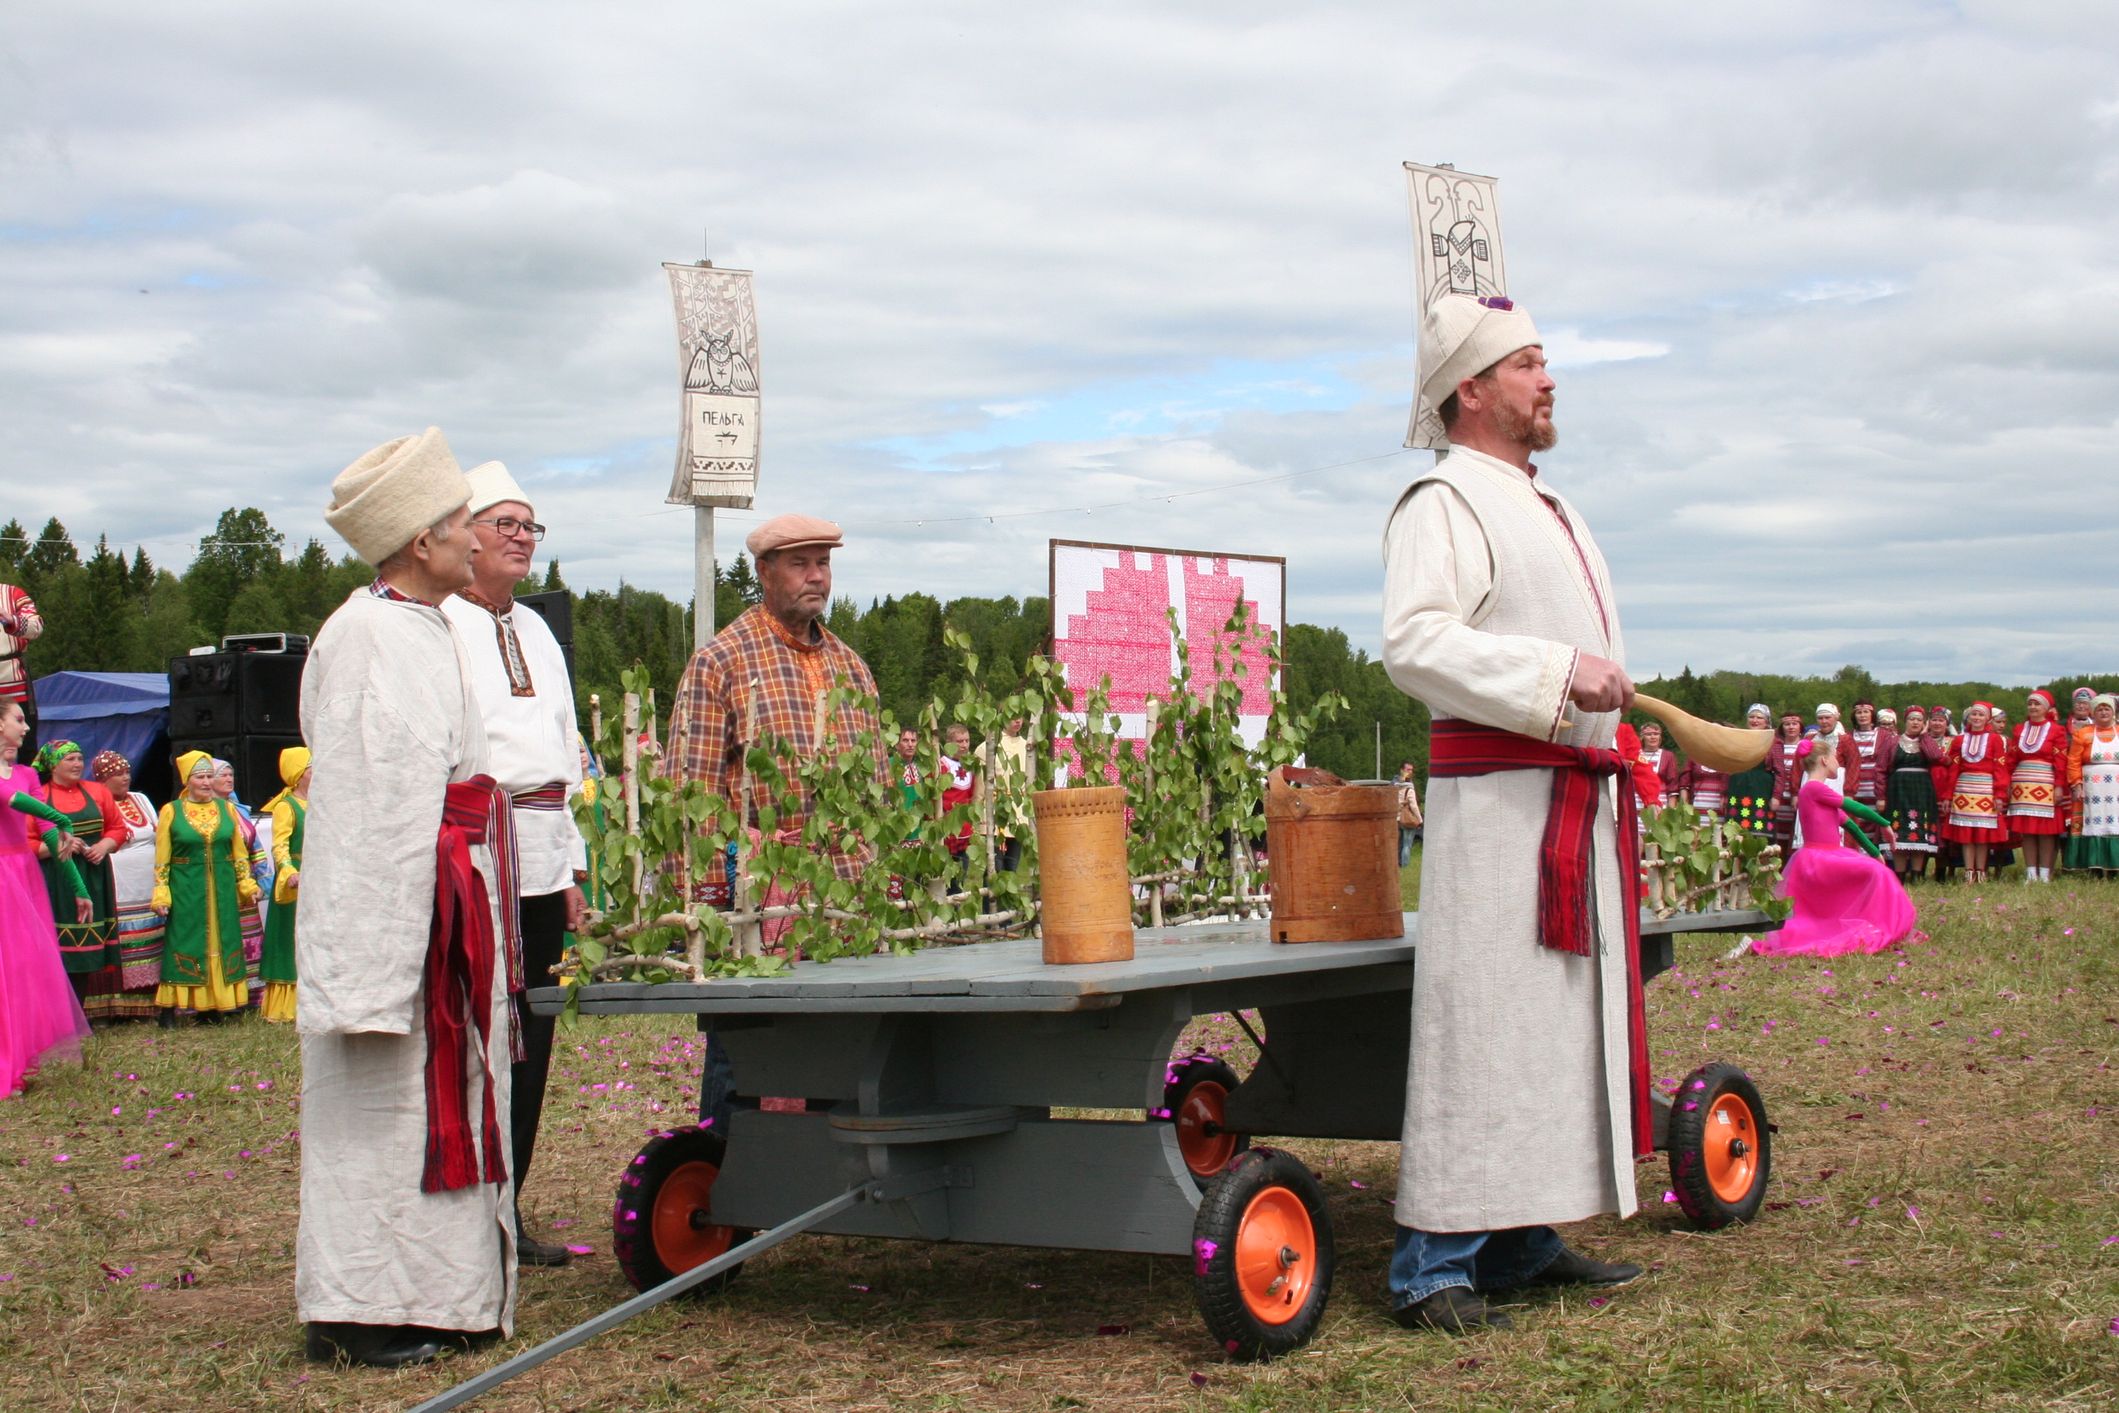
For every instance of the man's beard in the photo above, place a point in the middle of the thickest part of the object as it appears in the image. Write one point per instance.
(1538, 436)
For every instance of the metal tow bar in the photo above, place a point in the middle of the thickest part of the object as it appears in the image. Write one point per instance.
(869, 1191)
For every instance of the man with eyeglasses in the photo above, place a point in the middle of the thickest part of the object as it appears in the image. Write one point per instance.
(520, 677)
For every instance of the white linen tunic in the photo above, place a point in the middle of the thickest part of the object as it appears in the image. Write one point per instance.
(530, 740)
(1517, 1092)
(388, 713)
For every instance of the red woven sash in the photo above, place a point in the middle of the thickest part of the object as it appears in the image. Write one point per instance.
(1566, 911)
(461, 950)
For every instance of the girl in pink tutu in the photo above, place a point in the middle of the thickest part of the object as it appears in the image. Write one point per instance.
(1845, 900)
(39, 1017)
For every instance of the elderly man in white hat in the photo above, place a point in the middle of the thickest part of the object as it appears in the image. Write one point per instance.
(1526, 1093)
(520, 676)
(776, 660)
(407, 1234)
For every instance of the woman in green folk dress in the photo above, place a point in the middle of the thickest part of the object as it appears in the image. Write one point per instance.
(202, 883)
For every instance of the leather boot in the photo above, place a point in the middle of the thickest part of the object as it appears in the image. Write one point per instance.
(374, 1346)
(1452, 1310)
(1573, 1268)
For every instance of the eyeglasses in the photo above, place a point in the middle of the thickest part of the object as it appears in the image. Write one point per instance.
(509, 527)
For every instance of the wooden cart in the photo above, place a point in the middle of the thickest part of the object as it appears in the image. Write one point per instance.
(932, 1080)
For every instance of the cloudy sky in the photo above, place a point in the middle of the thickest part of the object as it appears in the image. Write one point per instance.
(1831, 291)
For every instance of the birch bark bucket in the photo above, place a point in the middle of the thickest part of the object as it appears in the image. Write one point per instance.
(1332, 855)
(1085, 908)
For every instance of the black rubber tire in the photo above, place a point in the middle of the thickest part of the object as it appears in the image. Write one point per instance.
(1690, 1136)
(641, 1188)
(1216, 1280)
(1187, 1073)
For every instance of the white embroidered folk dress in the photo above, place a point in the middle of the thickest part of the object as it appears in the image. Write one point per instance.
(387, 711)
(1518, 1108)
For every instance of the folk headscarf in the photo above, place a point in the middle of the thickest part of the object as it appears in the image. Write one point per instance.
(49, 756)
(108, 763)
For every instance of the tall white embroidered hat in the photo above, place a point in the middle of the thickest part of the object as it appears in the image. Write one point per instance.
(1462, 335)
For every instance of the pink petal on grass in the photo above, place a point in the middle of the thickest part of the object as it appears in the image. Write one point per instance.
(1669, 1196)
(580, 1250)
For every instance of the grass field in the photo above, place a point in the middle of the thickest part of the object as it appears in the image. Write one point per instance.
(1943, 1231)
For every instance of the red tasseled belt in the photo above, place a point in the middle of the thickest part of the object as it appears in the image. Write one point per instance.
(461, 949)
(1566, 898)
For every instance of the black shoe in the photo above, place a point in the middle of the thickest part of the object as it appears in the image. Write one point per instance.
(166, 1017)
(374, 1346)
(1573, 1268)
(1452, 1310)
(531, 1252)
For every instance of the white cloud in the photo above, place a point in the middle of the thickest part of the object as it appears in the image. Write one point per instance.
(1832, 295)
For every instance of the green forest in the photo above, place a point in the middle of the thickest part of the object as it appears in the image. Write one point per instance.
(107, 611)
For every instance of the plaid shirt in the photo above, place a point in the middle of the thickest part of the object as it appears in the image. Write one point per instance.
(757, 655)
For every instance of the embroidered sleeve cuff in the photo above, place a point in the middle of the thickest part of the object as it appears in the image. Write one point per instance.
(1549, 705)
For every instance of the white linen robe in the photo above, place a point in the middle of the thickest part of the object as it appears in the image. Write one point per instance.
(1517, 1092)
(387, 712)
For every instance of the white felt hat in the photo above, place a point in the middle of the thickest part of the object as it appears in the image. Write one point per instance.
(1461, 336)
(388, 496)
(491, 484)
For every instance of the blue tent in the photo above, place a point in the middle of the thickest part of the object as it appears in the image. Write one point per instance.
(126, 712)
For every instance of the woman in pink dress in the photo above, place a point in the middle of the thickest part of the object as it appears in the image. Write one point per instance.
(1845, 901)
(39, 1017)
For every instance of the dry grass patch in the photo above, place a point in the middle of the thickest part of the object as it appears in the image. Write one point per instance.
(1945, 1183)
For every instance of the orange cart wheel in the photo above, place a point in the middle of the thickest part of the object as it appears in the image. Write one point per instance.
(1195, 1099)
(662, 1225)
(1262, 1255)
(1721, 1147)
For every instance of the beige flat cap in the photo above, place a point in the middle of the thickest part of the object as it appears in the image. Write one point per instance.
(790, 531)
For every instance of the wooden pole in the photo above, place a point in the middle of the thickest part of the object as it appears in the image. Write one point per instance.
(1147, 763)
(702, 576)
(629, 753)
(750, 938)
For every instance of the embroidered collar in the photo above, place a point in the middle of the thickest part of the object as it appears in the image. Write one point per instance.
(472, 596)
(786, 635)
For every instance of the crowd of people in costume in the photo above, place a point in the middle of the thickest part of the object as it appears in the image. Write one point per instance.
(152, 913)
(1959, 796)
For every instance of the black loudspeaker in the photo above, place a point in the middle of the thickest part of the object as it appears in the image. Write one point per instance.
(557, 610)
(203, 696)
(256, 760)
(235, 693)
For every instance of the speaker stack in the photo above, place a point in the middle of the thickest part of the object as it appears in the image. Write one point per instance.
(557, 610)
(241, 705)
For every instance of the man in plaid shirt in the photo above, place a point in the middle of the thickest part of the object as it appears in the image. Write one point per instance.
(781, 658)
(778, 656)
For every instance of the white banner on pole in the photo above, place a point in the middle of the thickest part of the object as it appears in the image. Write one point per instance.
(1456, 250)
(717, 358)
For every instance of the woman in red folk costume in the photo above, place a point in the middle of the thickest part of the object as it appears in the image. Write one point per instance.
(1873, 743)
(1909, 794)
(1787, 778)
(2038, 785)
(1978, 765)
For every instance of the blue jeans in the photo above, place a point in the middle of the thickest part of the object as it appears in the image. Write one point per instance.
(717, 1086)
(1423, 1262)
(1405, 845)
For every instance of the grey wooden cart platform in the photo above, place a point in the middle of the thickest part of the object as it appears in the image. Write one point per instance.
(931, 1082)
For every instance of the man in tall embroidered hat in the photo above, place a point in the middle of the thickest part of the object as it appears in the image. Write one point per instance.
(768, 673)
(1527, 1009)
(407, 1238)
(520, 676)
